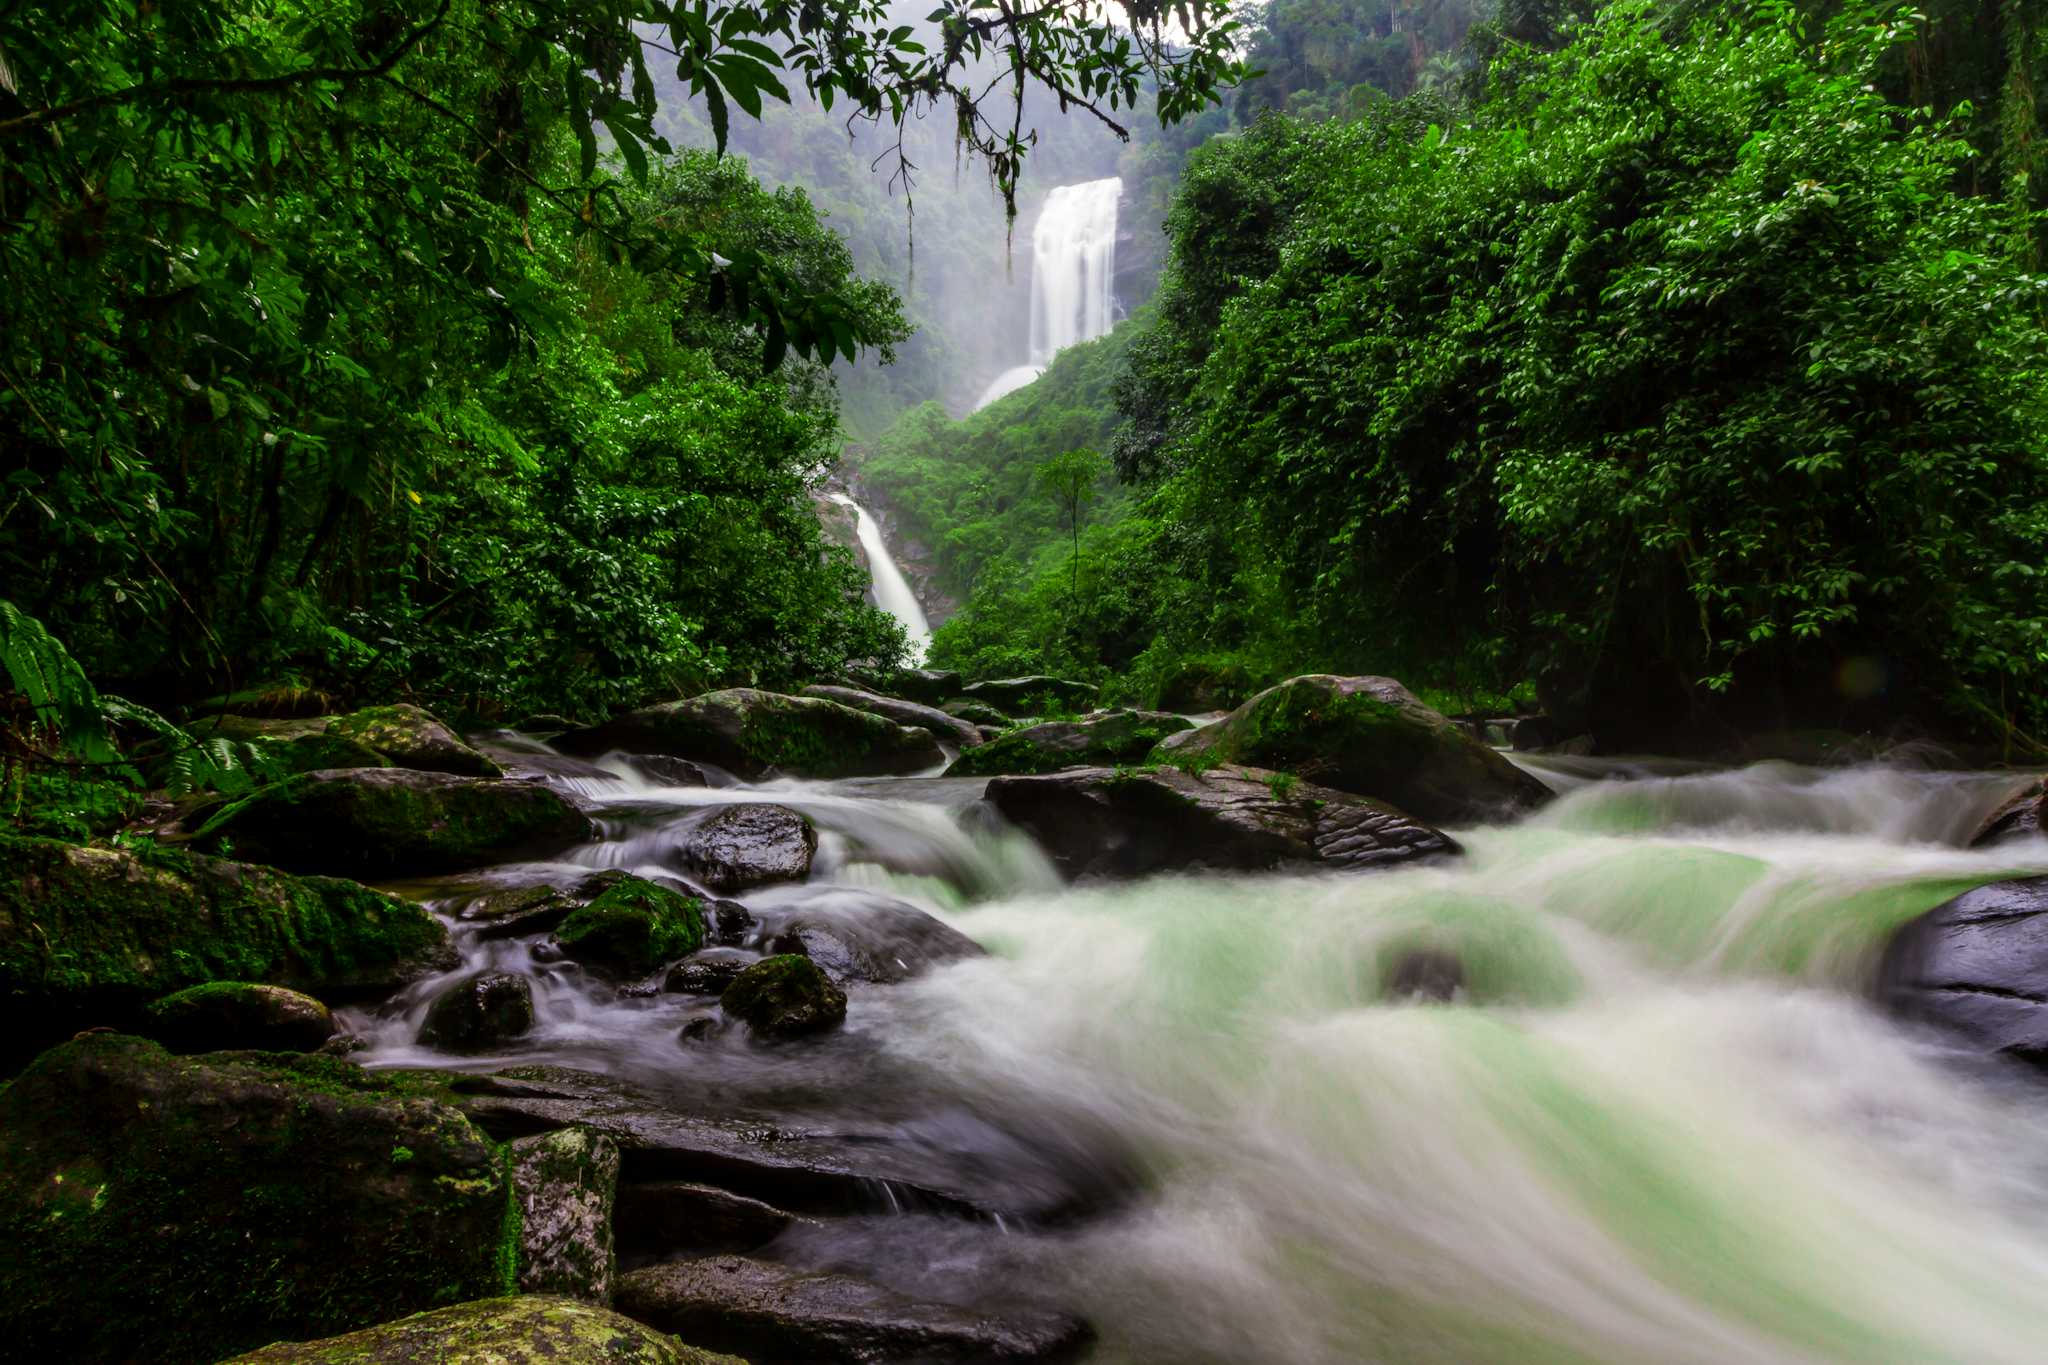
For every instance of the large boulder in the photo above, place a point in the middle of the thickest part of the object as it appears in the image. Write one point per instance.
(1977, 965)
(778, 1315)
(566, 1182)
(979, 714)
(2022, 815)
(748, 845)
(951, 728)
(750, 731)
(1107, 739)
(785, 996)
(182, 1209)
(480, 1013)
(929, 685)
(392, 821)
(220, 1016)
(1369, 736)
(1109, 822)
(91, 935)
(863, 936)
(1033, 696)
(399, 736)
(529, 1329)
(1203, 685)
(633, 927)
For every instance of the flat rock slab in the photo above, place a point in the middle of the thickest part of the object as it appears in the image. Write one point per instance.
(1113, 822)
(950, 728)
(668, 1217)
(530, 1329)
(749, 845)
(862, 936)
(774, 1314)
(2022, 815)
(1978, 965)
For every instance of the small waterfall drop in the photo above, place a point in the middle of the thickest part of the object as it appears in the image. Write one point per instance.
(1073, 268)
(892, 590)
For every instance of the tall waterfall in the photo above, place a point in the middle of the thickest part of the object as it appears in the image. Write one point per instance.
(1073, 266)
(892, 589)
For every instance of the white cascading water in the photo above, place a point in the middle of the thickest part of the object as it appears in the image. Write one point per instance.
(1073, 270)
(892, 589)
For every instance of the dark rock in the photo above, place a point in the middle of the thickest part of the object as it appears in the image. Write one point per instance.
(1130, 822)
(945, 727)
(668, 771)
(1369, 736)
(669, 1217)
(1199, 685)
(1978, 965)
(749, 845)
(2022, 815)
(708, 972)
(223, 1015)
(727, 922)
(565, 1182)
(1033, 696)
(391, 821)
(634, 927)
(785, 996)
(928, 685)
(774, 1314)
(479, 1013)
(531, 1329)
(1533, 732)
(543, 723)
(1101, 740)
(402, 735)
(979, 714)
(750, 732)
(875, 939)
(344, 1045)
(174, 1210)
(1425, 974)
(700, 1029)
(516, 911)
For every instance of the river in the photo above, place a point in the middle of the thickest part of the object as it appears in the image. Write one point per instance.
(1660, 1121)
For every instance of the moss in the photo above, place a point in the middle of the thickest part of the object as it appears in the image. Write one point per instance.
(634, 926)
(784, 996)
(1122, 737)
(528, 1329)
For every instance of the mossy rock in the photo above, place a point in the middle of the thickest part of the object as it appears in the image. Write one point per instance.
(1118, 737)
(479, 1013)
(181, 1209)
(400, 736)
(531, 1329)
(634, 927)
(1203, 685)
(1032, 696)
(1368, 736)
(221, 1016)
(785, 996)
(393, 821)
(978, 713)
(91, 935)
(566, 1182)
(750, 732)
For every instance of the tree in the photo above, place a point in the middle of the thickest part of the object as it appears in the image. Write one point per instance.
(1071, 479)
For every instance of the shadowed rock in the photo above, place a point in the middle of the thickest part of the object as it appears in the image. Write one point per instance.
(785, 996)
(531, 1329)
(2022, 815)
(224, 1015)
(1107, 739)
(675, 1216)
(479, 1013)
(750, 732)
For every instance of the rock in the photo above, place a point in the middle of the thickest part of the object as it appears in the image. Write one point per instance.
(708, 972)
(344, 1045)
(785, 996)
(749, 732)
(773, 1313)
(942, 725)
(565, 1182)
(1130, 822)
(727, 922)
(634, 927)
(516, 911)
(223, 1015)
(749, 845)
(1032, 696)
(543, 724)
(857, 936)
(90, 935)
(401, 736)
(1531, 733)
(2022, 815)
(183, 1209)
(928, 685)
(391, 821)
(1201, 685)
(1425, 974)
(479, 1013)
(1107, 739)
(670, 1216)
(529, 1329)
(1371, 737)
(979, 714)
(1978, 965)
(665, 771)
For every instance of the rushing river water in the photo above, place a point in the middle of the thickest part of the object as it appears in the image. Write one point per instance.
(1660, 1122)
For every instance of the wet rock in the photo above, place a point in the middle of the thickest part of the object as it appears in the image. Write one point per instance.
(479, 1013)
(1033, 696)
(785, 996)
(1425, 974)
(773, 1313)
(1371, 737)
(980, 714)
(91, 935)
(402, 736)
(344, 1045)
(1201, 685)
(1533, 732)
(727, 922)
(668, 1217)
(946, 727)
(223, 1015)
(516, 911)
(1978, 965)
(666, 771)
(1130, 822)
(1096, 741)
(708, 972)
(750, 845)
(166, 1209)
(393, 821)
(634, 927)
(750, 732)
(2022, 815)
(530, 1329)
(871, 939)
(565, 1182)
(702, 1029)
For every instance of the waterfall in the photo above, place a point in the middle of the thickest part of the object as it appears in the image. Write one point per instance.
(892, 590)
(1073, 267)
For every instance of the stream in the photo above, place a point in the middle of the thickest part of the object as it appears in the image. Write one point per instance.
(1659, 1121)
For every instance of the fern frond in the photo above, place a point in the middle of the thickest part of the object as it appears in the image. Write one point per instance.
(66, 706)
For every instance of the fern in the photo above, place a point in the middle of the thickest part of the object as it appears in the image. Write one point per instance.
(228, 766)
(68, 712)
